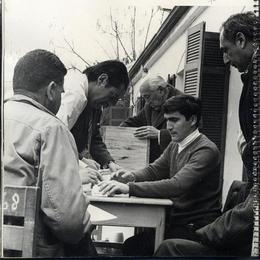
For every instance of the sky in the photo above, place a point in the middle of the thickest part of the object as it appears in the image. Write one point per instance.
(55, 25)
(48, 24)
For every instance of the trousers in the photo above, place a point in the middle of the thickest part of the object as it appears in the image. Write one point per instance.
(183, 247)
(142, 244)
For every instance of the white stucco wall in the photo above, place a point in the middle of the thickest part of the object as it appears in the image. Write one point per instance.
(171, 60)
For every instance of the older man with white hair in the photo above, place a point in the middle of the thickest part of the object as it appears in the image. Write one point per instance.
(150, 120)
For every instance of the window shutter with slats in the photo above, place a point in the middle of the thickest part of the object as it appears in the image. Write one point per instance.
(207, 77)
(194, 55)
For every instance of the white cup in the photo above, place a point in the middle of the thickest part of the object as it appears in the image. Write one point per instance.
(117, 237)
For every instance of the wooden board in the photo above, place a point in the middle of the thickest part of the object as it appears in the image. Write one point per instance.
(128, 151)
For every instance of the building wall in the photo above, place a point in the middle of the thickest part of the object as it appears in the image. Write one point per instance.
(170, 58)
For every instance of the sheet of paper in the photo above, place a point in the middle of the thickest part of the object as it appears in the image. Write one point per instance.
(97, 214)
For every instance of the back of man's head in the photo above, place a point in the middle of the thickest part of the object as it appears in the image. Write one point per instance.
(186, 105)
(116, 71)
(241, 22)
(37, 69)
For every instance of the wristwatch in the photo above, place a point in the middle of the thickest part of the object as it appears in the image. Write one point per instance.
(106, 166)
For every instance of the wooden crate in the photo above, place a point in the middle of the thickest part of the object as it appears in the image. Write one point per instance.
(128, 151)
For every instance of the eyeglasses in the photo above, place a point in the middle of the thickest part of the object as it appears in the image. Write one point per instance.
(147, 97)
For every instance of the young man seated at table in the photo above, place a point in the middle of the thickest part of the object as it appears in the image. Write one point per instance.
(187, 173)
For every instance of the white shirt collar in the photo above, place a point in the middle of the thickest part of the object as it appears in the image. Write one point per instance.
(188, 140)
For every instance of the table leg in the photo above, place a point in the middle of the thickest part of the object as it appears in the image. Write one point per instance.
(159, 231)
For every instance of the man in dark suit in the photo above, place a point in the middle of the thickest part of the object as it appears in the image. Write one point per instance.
(81, 108)
(231, 233)
(150, 120)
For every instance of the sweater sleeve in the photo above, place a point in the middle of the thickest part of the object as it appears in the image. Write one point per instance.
(135, 121)
(157, 170)
(202, 163)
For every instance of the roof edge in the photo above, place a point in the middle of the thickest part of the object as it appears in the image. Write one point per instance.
(173, 18)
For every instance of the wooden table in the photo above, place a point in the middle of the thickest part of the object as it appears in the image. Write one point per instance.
(134, 212)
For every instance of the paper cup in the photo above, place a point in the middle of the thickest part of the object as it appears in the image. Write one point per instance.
(117, 237)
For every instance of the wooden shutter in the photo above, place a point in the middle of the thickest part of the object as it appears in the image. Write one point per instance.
(194, 54)
(214, 91)
(207, 77)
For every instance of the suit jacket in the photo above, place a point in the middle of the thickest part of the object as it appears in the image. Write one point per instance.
(86, 132)
(144, 118)
(246, 119)
(233, 230)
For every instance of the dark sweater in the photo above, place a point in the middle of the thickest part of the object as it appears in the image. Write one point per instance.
(191, 179)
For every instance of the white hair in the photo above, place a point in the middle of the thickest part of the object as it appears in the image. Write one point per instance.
(153, 81)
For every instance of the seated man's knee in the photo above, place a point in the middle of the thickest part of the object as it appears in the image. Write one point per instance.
(181, 247)
(167, 248)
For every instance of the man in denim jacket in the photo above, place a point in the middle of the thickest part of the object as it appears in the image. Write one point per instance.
(39, 149)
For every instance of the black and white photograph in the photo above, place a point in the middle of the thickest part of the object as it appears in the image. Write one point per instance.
(130, 128)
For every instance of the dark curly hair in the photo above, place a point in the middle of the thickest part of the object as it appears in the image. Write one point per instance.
(116, 71)
(242, 22)
(37, 69)
(186, 105)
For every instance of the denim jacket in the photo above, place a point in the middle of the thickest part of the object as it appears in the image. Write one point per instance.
(38, 145)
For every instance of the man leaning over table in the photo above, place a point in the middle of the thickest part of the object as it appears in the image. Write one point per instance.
(187, 173)
(39, 149)
(86, 94)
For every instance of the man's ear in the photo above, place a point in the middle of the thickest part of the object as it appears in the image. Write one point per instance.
(50, 90)
(194, 120)
(103, 80)
(240, 40)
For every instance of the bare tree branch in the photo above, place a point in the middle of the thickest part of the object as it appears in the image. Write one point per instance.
(162, 17)
(120, 41)
(113, 47)
(73, 51)
(148, 28)
(117, 47)
(105, 51)
(114, 26)
(133, 35)
(74, 68)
